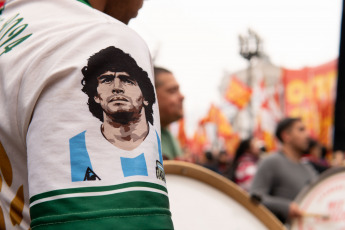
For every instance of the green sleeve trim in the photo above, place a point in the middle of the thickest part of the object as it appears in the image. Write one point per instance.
(75, 211)
(149, 219)
(97, 189)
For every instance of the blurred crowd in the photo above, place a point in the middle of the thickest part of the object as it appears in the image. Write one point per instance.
(243, 162)
(240, 166)
(273, 178)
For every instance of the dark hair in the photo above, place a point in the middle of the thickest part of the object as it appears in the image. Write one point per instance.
(209, 155)
(242, 148)
(284, 125)
(323, 152)
(312, 143)
(114, 59)
(157, 71)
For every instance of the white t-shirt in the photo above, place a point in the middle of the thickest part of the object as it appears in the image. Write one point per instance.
(44, 46)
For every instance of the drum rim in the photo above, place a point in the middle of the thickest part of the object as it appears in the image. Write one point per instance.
(226, 186)
(326, 174)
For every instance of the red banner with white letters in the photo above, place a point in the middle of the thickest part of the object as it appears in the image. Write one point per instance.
(310, 94)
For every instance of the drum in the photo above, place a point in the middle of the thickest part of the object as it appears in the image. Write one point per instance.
(323, 202)
(202, 199)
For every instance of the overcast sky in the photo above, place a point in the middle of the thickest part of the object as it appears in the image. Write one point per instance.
(198, 40)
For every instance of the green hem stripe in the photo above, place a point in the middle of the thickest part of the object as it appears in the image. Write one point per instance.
(134, 200)
(97, 189)
(148, 218)
(124, 205)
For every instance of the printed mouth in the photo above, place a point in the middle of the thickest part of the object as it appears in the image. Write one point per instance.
(118, 99)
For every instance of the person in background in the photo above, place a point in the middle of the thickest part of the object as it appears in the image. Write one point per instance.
(170, 102)
(281, 176)
(313, 156)
(324, 156)
(224, 163)
(209, 161)
(244, 165)
(338, 159)
(44, 52)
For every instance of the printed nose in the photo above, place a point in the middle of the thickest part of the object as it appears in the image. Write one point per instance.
(117, 86)
(117, 91)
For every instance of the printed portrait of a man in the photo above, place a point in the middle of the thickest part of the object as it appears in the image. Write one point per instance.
(121, 95)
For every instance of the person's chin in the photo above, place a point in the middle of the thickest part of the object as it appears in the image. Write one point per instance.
(178, 117)
(180, 114)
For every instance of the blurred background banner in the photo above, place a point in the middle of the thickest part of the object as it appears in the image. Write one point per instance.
(265, 93)
(310, 94)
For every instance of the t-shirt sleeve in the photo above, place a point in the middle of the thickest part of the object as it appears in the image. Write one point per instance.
(79, 179)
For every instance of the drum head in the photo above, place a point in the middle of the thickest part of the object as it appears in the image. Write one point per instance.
(323, 202)
(202, 199)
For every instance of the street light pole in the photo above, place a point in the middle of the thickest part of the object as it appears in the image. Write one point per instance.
(251, 47)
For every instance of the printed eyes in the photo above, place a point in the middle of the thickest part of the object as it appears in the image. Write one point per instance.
(126, 79)
(108, 79)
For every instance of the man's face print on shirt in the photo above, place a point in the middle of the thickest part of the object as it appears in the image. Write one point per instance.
(119, 95)
(117, 87)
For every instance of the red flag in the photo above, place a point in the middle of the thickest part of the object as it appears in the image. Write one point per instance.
(238, 93)
(181, 135)
(216, 116)
(199, 141)
(224, 129)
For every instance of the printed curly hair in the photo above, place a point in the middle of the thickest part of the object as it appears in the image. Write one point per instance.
(114, 59)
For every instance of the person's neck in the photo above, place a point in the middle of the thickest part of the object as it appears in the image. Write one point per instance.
(126, 136)
(291, 153)
(114, 8)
